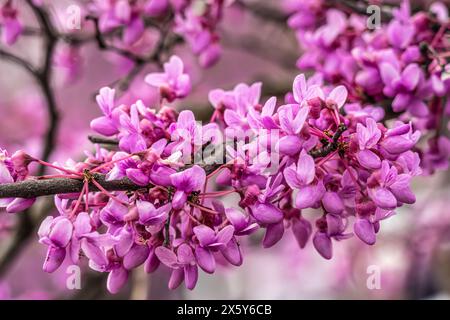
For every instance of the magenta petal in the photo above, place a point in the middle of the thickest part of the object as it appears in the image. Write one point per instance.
(232, 253)
(161, 176)
(411, 76)
(74, 250)
(368, 159)
(55, 257)
(224, 236)
(210, 56)
(306, 168)
(155, 8)
(61, 232)
(323, 245)
(205, 259)
(189, 180)
(82, 224)
(274, 233)
(401, 189)
(418, 108)
(401, 102)
(190, 276)
(137, 176)
(302, 230)
(19, 204)
(146, 211)
(176, 278)
(12, 29)
(224, 177)
(332, 202)
(397, 144)
(365, 231)
(308, 196)
(152, 263)
(290, 145)
(179, 199)
(389, 73)
(248, 230)
(166, 256)
(400, 34)
(5, 175)
(133, 31)
(236, 218)
(93, 253)
(338, 95)
(335, 225)
(266, 213)
(185, 254)
(383, 198)
(117, 278)
(126, 240)
(205, 235)
(136, 256)
(290, 174)
(104, 126)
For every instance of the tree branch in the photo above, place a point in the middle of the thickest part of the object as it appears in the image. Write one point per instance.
(36, 188)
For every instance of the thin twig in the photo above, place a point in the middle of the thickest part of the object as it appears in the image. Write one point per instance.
(102, 140)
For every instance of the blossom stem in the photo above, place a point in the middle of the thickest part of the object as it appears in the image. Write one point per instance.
(216, 194)
(86, 205)
(319, 134)
(326, 158)
(202, 208)
(111, 162)
(54, 176)
(44, 163)
(77, 204)
(218, 169)
(104, 191)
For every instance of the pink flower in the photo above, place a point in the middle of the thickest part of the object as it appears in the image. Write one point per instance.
(173, 83)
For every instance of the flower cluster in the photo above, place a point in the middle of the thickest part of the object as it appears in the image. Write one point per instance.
(197, 24)
(400, 65)
(304, 154)
(195, 21)
(325, 162)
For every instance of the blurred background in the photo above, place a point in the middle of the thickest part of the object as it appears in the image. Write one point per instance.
(412, 253)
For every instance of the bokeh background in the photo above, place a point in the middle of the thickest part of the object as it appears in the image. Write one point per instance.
(412, 252)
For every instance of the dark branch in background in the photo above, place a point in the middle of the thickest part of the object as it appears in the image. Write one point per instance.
(103, 45)
(264, 12)
(166, 41)
(43, 76)
(18, 60)
(255, 46)
(360, 7)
